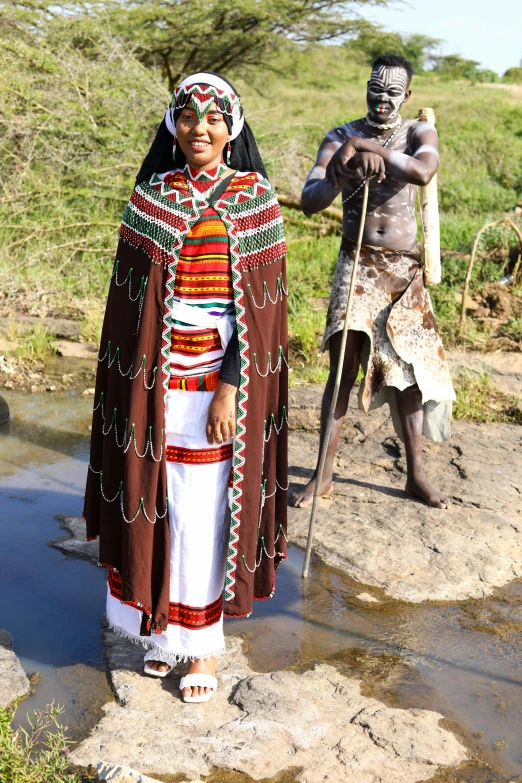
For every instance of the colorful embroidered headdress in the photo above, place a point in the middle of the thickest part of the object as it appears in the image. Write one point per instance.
(202, 89)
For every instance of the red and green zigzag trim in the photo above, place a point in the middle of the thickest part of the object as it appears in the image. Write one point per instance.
(158, 225)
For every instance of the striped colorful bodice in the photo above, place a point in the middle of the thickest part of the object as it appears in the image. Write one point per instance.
(203, 279)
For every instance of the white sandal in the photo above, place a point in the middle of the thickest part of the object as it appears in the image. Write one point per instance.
(153, 655)
(198, 681)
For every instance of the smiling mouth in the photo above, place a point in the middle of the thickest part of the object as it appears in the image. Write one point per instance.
(198, 146)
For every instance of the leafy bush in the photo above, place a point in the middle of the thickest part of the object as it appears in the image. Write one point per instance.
(513, 75)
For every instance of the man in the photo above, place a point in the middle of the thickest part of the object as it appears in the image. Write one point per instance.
(392, 333)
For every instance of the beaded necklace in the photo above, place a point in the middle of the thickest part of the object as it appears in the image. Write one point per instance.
(386, 143)
(384, 126)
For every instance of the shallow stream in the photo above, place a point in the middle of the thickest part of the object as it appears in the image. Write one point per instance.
(461, 659)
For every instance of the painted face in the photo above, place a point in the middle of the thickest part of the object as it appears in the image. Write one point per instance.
(387, 91)
(202, 140)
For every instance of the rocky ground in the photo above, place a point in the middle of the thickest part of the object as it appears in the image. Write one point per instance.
(495, 308)
(316, 724)
(72, 366)
(382, 538)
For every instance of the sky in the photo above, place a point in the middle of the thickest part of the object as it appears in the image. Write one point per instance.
(489, 32)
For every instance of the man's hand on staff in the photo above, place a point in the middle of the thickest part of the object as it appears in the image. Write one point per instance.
(221, 417)
(350, 163)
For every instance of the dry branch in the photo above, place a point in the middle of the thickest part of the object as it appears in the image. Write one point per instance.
(506, 221)
(294, 203)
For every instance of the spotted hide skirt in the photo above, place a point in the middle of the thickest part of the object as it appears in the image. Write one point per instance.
(403, 347)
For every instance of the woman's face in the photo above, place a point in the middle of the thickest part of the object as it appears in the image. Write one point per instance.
(202, 141)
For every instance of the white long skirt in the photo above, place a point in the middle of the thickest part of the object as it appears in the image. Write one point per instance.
(197, 487)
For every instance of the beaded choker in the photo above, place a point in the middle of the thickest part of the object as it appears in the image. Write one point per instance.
(209, 175)
(201, 182)
(384, 126)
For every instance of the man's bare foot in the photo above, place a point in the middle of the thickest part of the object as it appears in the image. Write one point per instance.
(304, 497)
(424, 490)
(201, 666)
(158, 666)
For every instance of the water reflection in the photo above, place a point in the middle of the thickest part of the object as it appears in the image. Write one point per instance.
(462, 660)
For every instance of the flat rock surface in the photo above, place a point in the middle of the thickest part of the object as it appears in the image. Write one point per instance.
(316, 723)
(72, 350)
(58, 327)
(378, 535)
(13, 680)
(505, 367)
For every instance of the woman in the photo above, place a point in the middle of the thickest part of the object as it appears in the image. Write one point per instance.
(188, 466)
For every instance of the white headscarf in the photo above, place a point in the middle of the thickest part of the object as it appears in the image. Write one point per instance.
(202, 89)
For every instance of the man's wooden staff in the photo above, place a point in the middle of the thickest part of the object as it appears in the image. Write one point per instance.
(331, 414)
(430, 218)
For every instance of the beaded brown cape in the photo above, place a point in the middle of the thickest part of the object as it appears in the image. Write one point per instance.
(125, 500)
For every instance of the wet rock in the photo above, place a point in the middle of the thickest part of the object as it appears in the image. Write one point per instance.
(4, 411)
(368, 598)
(13, 680)
(75, 543)
(381, 537)
(113, 773)
(262, 724)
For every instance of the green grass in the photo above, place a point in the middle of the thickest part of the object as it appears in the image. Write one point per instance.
(34, 344)
(91, 323)
(478, 399)
(38, 755)
(69, 161)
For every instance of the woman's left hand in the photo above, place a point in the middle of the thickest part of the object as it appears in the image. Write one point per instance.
(221, 417)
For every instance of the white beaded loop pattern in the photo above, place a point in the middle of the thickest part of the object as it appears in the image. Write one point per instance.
(280, 290)
(269, 368)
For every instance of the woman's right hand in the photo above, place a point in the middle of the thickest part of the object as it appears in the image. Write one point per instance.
(221, 417)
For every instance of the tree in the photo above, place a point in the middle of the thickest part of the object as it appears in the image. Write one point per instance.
(183, 36)
(513, 75)
(454, 66)
(373, 41)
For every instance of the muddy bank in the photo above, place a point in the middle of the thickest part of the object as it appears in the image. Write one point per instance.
(379, 536)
